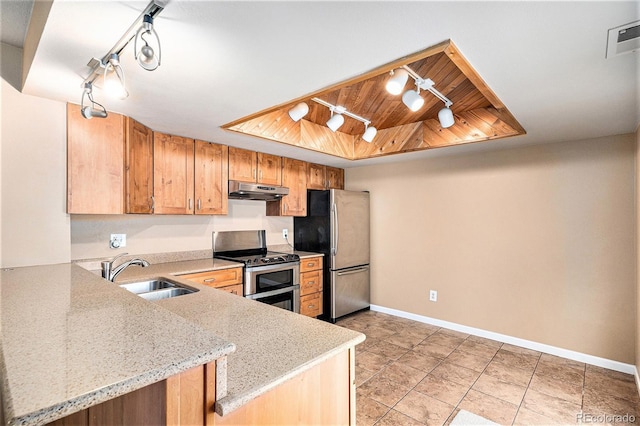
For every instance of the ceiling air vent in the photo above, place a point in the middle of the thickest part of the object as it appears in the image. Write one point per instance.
(623, 39)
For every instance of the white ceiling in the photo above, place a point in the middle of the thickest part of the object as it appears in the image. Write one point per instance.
(223, 60)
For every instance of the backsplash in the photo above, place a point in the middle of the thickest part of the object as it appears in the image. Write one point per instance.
(168, 233)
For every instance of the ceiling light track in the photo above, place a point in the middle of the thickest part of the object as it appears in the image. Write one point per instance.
(412, 98)
(337, 119)
(109, 66)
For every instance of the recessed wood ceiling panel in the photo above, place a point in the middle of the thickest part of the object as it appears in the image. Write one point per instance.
(479, 114)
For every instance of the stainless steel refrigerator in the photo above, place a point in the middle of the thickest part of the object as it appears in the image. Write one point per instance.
(337, 225)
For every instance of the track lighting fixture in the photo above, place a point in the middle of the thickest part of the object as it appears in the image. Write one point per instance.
(109, 67)
(397, 81)
(412, 98)
(337, 119)
(113, 78)
(91, 111)
(297, 112)
(147, 56)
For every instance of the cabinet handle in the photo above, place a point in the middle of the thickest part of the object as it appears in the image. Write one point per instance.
(254, 173)
(311, 306)
(285, 208)
(311, 282)
(199, 204)
(328, 183)
(190, 204)
(260, 174)
(311, 264)
(153, 203)
(209, 280)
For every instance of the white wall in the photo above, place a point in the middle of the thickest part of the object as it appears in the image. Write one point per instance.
(34, 226)
(158, 234)
(535, 242)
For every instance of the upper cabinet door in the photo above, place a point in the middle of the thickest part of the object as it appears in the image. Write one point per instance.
(294, 177)
(335, 178)
(138, 168)
(173, 174)
(316, 176)
(242, 165)
(211, 183)
(95, 163)
(269, 169)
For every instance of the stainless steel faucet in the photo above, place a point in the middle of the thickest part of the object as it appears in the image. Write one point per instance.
(110, 273)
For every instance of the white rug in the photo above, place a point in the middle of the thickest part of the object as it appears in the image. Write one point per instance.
(466, 418)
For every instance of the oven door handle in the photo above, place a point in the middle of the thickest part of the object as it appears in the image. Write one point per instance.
(273, 292)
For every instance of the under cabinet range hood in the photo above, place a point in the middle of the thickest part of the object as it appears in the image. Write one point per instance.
(255, 191)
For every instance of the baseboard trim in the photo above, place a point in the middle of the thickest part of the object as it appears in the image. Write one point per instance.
(540, 347)
(637, 379)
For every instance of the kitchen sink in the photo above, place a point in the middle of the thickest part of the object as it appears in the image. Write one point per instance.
(158, 289)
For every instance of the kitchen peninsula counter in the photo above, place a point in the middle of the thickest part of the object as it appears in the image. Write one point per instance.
(71, 340)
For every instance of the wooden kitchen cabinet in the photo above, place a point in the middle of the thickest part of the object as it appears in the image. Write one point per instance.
(182, 399)
(211, 181)
(95, 166)
(294, 177)
(311, 286)
(335, 178)
(173, 174)
(190, 177)
(229, 280)
(255, 167)
(324, 177)
(138, 167)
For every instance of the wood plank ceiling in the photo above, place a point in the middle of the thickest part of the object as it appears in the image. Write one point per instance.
(479, 114)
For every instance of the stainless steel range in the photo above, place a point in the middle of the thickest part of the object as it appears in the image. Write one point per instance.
(269, 277)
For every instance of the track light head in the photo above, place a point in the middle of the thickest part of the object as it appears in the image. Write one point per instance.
(297, 112)
(413, 100)
(89, 112)
(397, 81)
(369, 133)
(335, 121)
(445, 116)
(147, 56)
(113, 78)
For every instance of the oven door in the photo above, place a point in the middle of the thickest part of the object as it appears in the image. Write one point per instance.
(264, 279)
(286, 298)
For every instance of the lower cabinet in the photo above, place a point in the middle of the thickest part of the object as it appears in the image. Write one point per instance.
(187, 398)
(311, 286)
(229, 280)
(324, 395)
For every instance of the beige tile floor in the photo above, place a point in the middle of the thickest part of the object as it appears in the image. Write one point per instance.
(410, 373)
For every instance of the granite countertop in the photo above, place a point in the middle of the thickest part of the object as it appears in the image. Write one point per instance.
(285, 248)
(71, 340)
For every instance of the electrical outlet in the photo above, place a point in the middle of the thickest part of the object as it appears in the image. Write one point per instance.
(118, 241)
(433, 295)
(285, 233)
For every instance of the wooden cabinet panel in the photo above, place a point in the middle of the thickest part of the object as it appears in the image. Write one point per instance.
(218, 278)
(242, 165)
(269, 169)
(294, 177)
(310, 264)
(311, 304)
(316, 176)
(318, 396)
(211, 168)
(310, 282)
(173, 158)
(311, 286)
(335, 178)
(233, 289)
(138, 168)
(95, 163)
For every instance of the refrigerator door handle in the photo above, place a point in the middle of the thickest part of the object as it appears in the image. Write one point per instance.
(334, 210)
(354, 271)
